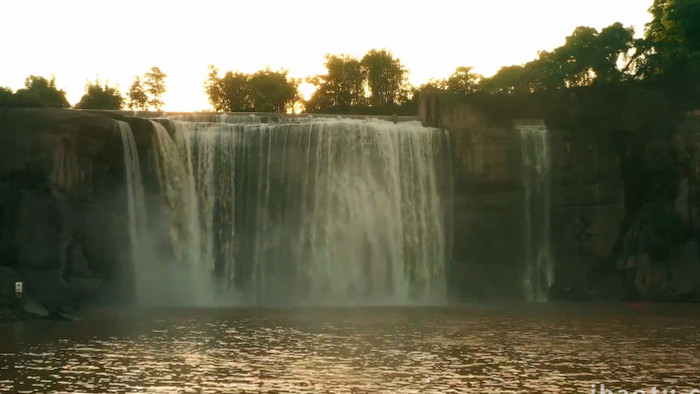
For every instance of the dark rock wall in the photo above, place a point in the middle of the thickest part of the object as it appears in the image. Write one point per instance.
(587, 212)
(487, 218)
(62, 208)
(590, 232)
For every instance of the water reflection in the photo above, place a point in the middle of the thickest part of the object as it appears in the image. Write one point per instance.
(538, 348)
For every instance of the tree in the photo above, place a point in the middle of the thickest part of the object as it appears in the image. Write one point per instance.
(511, 80)
(39, 91)
(672, 50)
(463, 81)
(616, 43)
(272, 91)
(684, 17)
(675, 21)
(263, 91)
(6, 96)
(590, 56)
(341, 89)
(347, 80)
(147, 90)
(655, 30)
(386, 78)
(98, 96)
(230, 93)
(138, 99)
(587, 57)
(154, 81)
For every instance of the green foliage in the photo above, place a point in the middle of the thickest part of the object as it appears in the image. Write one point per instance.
(386, 78)
(626, 112)
(263, 91)
(10, 99)
(341, 89)
(37, 92)
(511, 80)
(684, 16)
(147, 90)
(6, 96)
(675, 21)
(344, 86)
(609, 60)
(154, 82)
(463, 81)
(272, 91)
(138, 99)
(620, 90)
(587, 57)
(655, 30)
(229, 93)
(671, 61)
(98, 96)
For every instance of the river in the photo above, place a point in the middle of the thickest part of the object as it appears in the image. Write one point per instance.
(572, 348)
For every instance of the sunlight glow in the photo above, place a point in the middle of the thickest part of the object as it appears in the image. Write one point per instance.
(79, 40)
(306, 90)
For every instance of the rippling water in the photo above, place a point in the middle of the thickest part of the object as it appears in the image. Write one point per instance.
(515, 348)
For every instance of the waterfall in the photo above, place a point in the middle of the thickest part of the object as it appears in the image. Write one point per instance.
(319, 211)
(538, 267)
(136, 208)
(182, 274)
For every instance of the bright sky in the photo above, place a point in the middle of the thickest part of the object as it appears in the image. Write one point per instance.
(80, 40)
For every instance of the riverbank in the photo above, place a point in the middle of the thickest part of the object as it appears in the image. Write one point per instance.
(8, 315)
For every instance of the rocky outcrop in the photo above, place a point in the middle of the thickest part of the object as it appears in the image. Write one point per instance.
(487, 219)
(587, 212)
(612, 235)
(62, 208)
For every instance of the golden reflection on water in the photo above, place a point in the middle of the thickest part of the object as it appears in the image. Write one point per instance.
(516, 348)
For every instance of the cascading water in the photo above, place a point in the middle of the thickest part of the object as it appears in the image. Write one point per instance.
(135, 199)
(316, 212)
(538, 268)
(185, 275)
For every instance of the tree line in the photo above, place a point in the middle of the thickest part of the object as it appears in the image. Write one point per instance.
(145, 92)
(666, 59)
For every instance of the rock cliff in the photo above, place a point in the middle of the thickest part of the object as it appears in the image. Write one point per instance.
(622, 219)
(622, 213)
(62, 208)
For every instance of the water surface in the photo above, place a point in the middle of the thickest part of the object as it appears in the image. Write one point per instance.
(505, 348)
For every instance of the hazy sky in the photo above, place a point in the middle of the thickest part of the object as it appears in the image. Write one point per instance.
(80, 40)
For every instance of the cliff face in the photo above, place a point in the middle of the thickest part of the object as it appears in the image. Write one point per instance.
(63, 214)
(62, 211)
(588, 205)
(623, 215)
(487, 219)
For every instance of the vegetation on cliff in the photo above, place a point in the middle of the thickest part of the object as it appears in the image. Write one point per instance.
(629, 93)
(665, 60)
(99, 96)
(37, 92)
(377, 83)
(263, 91)
(341, 89)
(147, 91)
